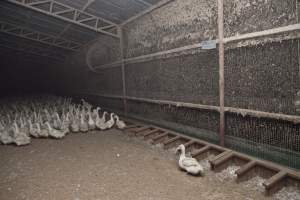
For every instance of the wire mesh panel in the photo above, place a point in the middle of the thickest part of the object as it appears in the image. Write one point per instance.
(200, 123)
(187, 78)
(263, 77)
(270, 139)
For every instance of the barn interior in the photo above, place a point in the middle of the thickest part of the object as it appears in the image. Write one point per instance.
(221, 77)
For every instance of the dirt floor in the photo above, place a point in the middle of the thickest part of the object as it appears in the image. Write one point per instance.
(107, 166)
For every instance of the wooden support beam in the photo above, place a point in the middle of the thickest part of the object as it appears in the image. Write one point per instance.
(189, 143)
(274, 180)
(160, 136)
(130, 127)
(220, 159)
(201, 151)
(141, 129)
(221, 71)
(151, 132)
(174, 139)
(245, 168)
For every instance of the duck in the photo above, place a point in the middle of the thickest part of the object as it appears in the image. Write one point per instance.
(83, 126)
(54, 133)
(96, 112)
(20, 138)
(65, 126)
(42, 132)
(6, 136)
(100, 122)
(188, 164)
(57, 122)
(91, 122)
(74, 124)
(110, 123)
(32, 130)
(119, 123)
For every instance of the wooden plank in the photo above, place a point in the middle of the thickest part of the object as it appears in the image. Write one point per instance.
(141, 129)
(274, 179)
(200, 151)
(218, 160)
(189, 143)
(172, 140)
(160, 136)
(245, 168)
(145, 133)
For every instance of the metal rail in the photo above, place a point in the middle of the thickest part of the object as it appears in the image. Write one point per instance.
(30, 34)
(244, 112)
(95, 23)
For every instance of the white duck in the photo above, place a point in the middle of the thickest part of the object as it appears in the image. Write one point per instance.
(83, 125)
(91, 122)
(20, 138)
(55, 133)
(6, 136)
(32, 130)
(42, 132)
(74, 124)
(120, 124)
(190, 165)
(100, 122)
(110, 122)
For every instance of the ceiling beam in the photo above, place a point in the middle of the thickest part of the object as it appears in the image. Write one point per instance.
(29, 34)
(48, 9)
(88, 3)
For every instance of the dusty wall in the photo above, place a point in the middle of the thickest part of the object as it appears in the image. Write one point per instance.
(261, 76)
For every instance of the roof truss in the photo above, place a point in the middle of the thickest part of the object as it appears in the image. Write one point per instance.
(29, 34)
(69, 14)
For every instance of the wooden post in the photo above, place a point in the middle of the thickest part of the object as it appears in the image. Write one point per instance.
(120, 32)
(221, 69)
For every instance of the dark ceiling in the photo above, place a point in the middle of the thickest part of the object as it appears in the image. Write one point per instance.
(14, 15)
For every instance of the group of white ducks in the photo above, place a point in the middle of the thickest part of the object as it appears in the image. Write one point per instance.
(50, 116)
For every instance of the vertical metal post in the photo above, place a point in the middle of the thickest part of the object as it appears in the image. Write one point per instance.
(120, 32)
(221, 68)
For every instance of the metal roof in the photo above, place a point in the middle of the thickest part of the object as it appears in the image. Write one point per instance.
(92, 18)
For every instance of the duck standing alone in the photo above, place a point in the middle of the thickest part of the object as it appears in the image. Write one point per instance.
(188, 164)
